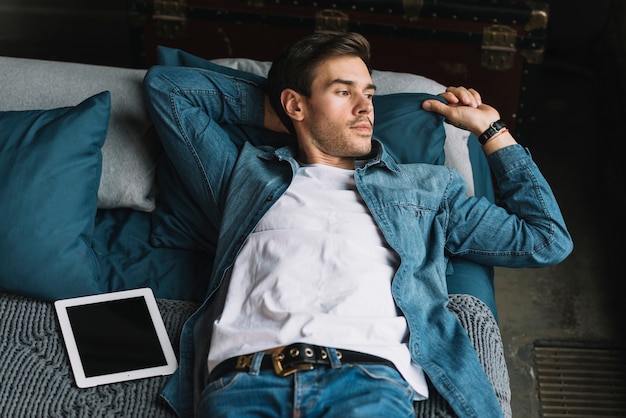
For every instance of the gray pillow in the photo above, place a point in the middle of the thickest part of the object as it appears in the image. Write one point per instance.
(131, 149)
(130, 152)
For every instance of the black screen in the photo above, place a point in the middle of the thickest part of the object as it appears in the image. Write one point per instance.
(115, 336)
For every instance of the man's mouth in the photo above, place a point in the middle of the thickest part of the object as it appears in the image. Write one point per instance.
(362, 125)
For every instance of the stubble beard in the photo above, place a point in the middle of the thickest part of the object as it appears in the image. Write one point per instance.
(342, 141)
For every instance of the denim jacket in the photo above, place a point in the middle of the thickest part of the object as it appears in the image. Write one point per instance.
(422, 211)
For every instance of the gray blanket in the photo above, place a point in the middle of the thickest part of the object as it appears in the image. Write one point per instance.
(36, 379)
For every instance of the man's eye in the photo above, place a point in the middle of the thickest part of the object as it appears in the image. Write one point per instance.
(344, 93)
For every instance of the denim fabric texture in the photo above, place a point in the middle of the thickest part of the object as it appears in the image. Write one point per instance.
(355, 391)
(409, 133)
(422, 210)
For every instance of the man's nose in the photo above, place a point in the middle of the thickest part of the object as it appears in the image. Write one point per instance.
(365, 105)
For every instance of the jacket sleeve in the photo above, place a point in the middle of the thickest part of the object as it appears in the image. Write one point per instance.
(525, 229)
(189, 108)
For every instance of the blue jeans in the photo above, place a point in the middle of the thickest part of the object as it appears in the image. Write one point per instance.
(349, 390)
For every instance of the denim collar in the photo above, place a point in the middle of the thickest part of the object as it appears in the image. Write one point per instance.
(378, 157)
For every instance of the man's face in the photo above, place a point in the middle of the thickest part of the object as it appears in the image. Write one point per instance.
(338, 118)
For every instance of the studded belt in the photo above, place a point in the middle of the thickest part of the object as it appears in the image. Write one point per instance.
(287, 360)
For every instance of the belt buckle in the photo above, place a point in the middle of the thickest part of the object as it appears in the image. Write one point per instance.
(278, 357)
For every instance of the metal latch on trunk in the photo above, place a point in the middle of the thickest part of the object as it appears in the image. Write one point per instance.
(498, 47)
(170, 19)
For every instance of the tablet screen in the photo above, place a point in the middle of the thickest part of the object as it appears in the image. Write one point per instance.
(115, 337)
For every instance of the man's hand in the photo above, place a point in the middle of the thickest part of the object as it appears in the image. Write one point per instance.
(464, 109)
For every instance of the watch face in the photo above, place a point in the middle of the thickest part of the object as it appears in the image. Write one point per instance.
(498, 125)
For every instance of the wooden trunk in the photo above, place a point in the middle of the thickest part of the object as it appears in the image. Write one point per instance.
(495, 46)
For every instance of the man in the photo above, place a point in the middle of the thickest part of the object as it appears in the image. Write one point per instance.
(328, 296)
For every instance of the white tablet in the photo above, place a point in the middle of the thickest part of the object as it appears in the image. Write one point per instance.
(114, 337)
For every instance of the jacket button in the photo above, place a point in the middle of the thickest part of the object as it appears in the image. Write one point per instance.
(269, 198)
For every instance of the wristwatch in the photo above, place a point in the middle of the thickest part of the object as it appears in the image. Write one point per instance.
(495, 128)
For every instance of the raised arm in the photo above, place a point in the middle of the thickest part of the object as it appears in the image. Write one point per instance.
(527, 229)
(189, 108)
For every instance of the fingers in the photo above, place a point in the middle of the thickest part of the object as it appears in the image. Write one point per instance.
(464, 109)
(434, 106)
(451, 112)
(462, 96)
(454, 97)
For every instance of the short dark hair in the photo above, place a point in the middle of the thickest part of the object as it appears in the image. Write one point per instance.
(295, 67)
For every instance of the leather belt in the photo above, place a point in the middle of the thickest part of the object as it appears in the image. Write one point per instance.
(292, 358)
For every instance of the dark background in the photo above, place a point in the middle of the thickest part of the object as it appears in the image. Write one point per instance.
(585, 62)
(582, 81)
(577, 140)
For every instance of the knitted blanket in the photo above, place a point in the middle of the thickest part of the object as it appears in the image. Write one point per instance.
(36, 379)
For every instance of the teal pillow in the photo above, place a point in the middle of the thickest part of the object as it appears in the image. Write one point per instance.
(481, 172)
(50, 167)
(398, 116)
(121, 240)
(409, 133)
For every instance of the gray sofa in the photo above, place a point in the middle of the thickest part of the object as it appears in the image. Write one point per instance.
(116, 251)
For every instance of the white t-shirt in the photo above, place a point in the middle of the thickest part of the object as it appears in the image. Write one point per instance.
(316, 270)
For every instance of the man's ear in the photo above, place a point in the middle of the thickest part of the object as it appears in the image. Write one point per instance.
(291, 102)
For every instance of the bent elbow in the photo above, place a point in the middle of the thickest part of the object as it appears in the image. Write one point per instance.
(153, 82)
(557, 250)
(563, 249)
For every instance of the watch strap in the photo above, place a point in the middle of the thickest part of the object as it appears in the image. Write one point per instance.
(495, 128)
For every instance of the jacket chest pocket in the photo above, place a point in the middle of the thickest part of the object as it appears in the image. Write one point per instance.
(412, 227)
